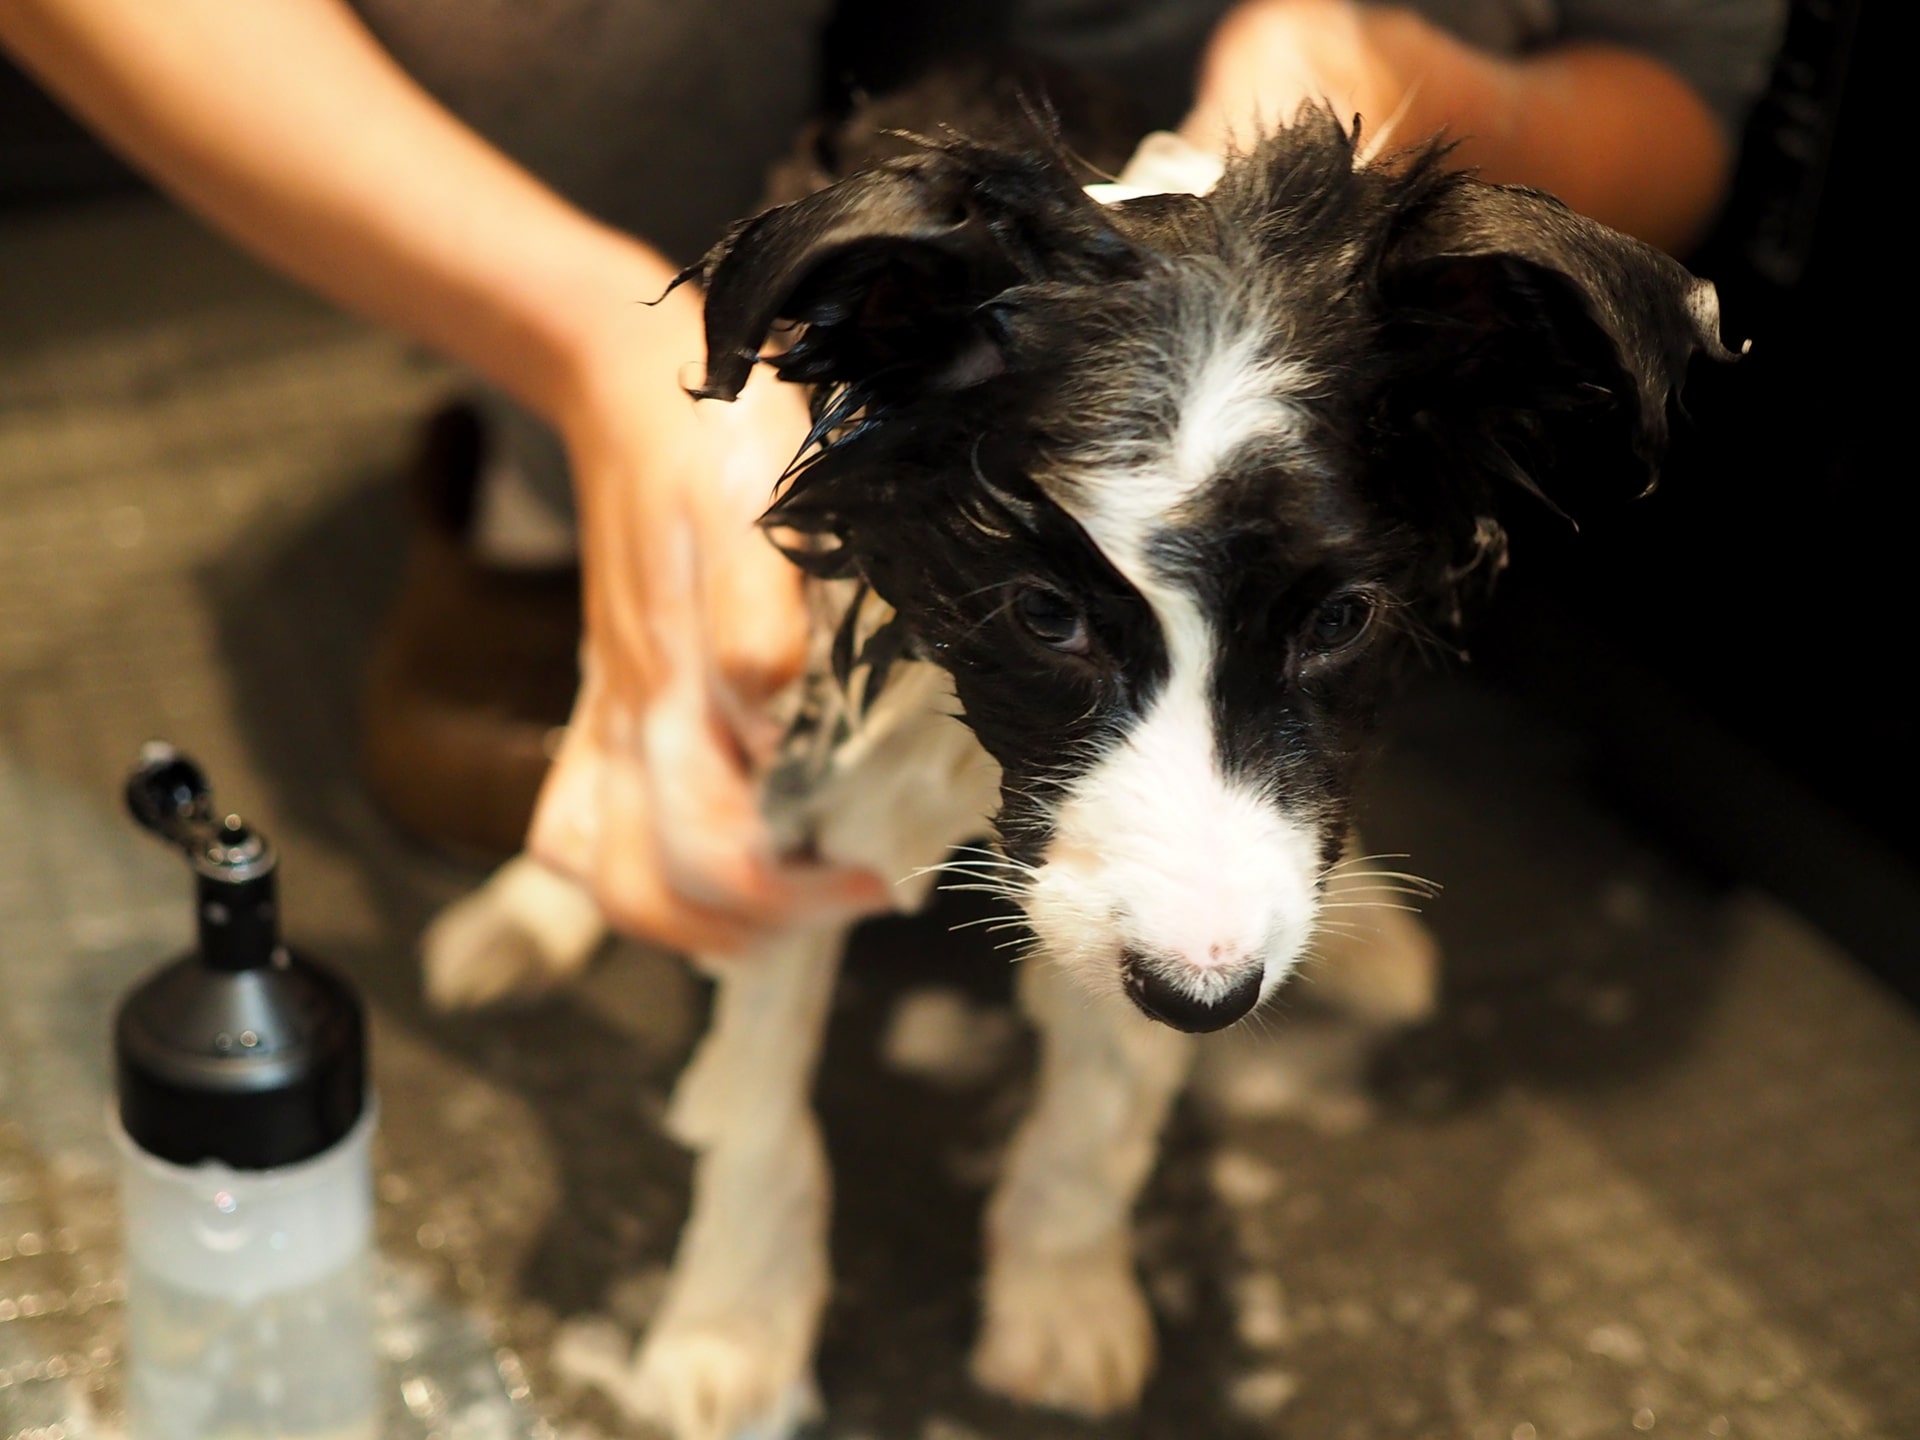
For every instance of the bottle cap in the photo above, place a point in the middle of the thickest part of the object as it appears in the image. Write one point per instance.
(240, 1051)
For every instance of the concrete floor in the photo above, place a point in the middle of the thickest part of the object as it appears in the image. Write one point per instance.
(1654, 1169)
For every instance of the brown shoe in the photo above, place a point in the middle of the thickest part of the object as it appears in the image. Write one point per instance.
(474, 672)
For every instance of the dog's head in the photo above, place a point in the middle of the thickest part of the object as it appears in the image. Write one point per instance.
(1163, 483)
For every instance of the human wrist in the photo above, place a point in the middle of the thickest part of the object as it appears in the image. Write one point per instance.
(593, 289)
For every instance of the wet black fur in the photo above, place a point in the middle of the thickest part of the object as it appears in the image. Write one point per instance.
(970, 321)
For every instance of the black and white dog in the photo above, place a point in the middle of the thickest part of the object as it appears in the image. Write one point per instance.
(1117, 510)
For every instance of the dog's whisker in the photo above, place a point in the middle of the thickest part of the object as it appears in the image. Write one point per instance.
(990, 923)
(1371, 905)
(1408, 876)
(1345, 861)
(1346, 868)
(980, 889)
(970, 867)
(1363, 884)
(987, 852)
(1010, 878)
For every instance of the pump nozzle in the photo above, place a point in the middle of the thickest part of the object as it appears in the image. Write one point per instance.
(169, 795)
(240, 1050)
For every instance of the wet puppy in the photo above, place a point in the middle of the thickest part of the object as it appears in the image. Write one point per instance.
(1117, 508)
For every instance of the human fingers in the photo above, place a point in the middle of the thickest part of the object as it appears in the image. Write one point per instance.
(668, 835)
(594, 823)
(711, 837)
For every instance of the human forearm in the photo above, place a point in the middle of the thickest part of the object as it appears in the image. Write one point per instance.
(1614, 133)
(287, 125)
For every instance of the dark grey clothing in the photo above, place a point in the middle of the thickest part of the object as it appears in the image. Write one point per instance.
(1723, 48)
(662, 116)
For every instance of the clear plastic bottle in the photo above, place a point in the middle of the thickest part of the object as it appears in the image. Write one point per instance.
(244, 1128)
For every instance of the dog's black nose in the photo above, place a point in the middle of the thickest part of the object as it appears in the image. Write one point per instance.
(1171, 1003)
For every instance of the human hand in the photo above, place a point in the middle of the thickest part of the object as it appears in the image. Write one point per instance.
(1267, 58)
(1613, 131)
(693, 622)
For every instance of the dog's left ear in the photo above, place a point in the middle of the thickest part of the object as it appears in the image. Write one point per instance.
(891, 270)
(1533, 342)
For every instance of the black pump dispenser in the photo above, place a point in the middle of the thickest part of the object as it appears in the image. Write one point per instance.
(240, 1051)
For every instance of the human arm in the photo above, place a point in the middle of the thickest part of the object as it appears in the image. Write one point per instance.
(290, 127)
(1615, 133)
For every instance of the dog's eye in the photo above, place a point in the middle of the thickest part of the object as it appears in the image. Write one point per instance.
(1339, 622)
(1052, 619)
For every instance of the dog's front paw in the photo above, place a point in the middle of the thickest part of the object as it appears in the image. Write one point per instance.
(1072, 1333)
(519, 934)
(739, 1379)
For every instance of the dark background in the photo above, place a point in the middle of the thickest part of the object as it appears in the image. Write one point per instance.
(1741, 642)
(1738, 645)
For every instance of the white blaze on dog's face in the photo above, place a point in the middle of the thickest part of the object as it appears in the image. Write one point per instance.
(1172, 872)
(1190, 887)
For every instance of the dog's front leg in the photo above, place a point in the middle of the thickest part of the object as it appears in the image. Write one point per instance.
(730, 1354)
(1065, 1323)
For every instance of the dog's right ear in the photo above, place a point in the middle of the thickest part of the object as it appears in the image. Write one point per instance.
(891, 271)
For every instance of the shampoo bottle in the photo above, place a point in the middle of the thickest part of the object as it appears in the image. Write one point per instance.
(244, 1125)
